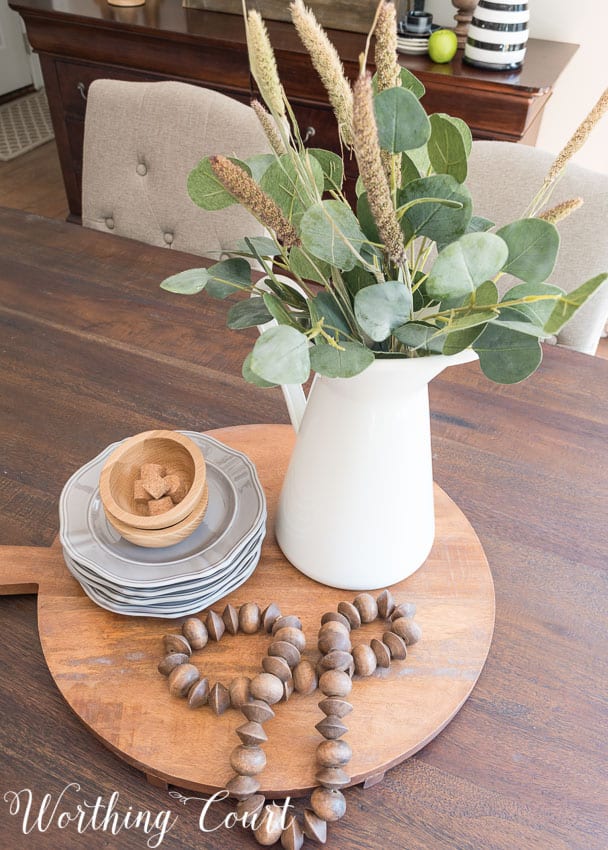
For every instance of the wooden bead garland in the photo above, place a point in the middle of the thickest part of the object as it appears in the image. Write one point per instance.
(283, 671)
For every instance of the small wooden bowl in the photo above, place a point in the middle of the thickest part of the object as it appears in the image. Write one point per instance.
(155, 538)
(123, 467)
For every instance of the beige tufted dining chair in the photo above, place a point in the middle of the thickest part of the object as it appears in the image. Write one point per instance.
(504, 177)
(141, 140)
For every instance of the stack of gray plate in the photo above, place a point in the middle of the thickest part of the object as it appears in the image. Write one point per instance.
(176, 580)
(415, 43)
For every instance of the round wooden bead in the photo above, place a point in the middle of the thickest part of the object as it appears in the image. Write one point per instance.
(250, 618)
(198, 694)
(304, 677)
(333, 626)
(195, 632)
(334, 705)
(290, 621)
(386, 604)
(285, 650)
(337, 660)
(331, 727)
(219, 698)
(182, 678)
(333, 778)
(396, 645)
(331, 641)
(348, 610)
(230, 616)
(269, 615)
(250, 807)
(215, 625)
(333, 753)
(314, 827)
(382, 653)
(242, 787)
(277, 666)
(365, 660)
(247, 761)
(270, 826)
(292, 837)
(287, 689)
(169, 662)
(257, 711)
(407, 629)
(335, 683)
(291, 635)
(334, 616)
(405, 609)
(177, 643)
(267, 687)
(251, 734)
(366, 606)
(328, 805)
(239, 691)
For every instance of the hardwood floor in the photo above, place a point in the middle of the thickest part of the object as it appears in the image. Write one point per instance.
(33, 183)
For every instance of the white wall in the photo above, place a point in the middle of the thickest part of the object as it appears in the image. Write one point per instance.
(583, 22)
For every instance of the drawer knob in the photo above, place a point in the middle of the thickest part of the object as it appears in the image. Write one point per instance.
(308, 134)
(81, 88)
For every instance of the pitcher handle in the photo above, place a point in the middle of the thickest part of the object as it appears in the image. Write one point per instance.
(295, 398)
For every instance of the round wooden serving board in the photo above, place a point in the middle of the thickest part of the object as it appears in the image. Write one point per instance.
(105, 664)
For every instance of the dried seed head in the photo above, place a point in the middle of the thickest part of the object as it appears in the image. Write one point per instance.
(263, 64)
(388, 69)
(578, 139)
(249, 195)
(561, 211)
(328, 66)
(367, 151)
(270, 128)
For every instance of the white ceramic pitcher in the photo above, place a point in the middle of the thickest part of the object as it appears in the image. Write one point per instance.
(356, 509)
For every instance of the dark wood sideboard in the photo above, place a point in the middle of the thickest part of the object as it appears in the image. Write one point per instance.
(79, 41)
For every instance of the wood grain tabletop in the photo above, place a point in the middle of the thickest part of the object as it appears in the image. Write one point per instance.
(91, 351)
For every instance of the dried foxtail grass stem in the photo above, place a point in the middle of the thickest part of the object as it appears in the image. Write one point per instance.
(367, 151)
(579, 137)
(269, 127)
(561, 211)
(263, 64)
(388, 70)
(247, 192)
(328, 66)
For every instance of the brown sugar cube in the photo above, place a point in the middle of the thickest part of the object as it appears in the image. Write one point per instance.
(159, 506)
(140, 494)
(176, 488)
(152, 479)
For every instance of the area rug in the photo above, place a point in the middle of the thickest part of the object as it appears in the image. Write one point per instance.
(25, 124)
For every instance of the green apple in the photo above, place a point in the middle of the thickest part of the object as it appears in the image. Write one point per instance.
(443, 45)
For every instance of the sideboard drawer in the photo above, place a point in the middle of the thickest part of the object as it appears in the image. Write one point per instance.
(76, 77)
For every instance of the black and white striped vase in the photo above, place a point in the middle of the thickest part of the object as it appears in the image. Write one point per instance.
(498, 34)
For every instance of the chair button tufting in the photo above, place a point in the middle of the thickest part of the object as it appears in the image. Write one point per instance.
(110, 223)
(141, 169)
(168, 237)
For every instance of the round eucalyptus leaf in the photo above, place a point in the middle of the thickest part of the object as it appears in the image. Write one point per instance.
(461, 267)
(283, 183)
(248, 313)
(228, 277)
(537, 312)
(420, 335)
(381, 308)
(251, 376)
(327, 308)
(533, 246)
(507, 356)
(402, 122)
(280, 356)
(345, 363)
(446, 148)
(308, 268)
(440, 223)
(331, 232)
(459, 340)
(186, 283)
(567, 305)
(332, 166)
(206, 190)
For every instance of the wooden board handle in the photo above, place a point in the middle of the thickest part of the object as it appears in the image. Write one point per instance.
(24, 568)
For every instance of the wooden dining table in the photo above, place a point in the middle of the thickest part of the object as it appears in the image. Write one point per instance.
(92, 350)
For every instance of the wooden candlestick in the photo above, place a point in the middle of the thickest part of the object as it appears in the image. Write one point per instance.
(463, 18)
